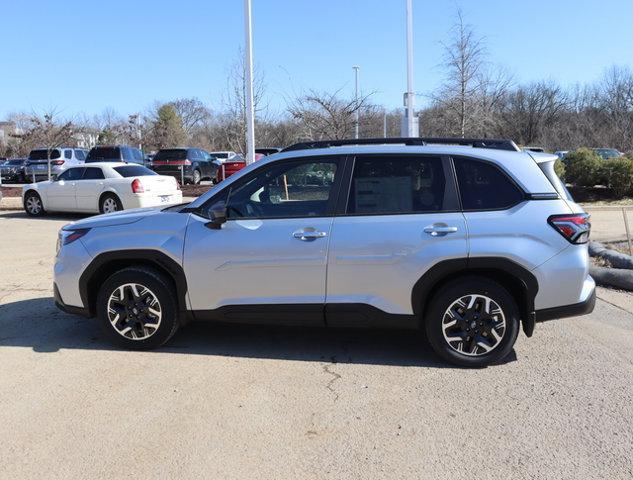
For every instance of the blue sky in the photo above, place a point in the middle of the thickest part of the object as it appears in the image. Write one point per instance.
(80, 56)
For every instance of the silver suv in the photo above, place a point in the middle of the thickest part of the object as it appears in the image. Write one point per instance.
(466, 239)
(61, 158)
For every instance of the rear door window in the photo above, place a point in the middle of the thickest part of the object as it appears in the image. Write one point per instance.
(93, 173)
(68, 154)
(483, 186)
(383, 185)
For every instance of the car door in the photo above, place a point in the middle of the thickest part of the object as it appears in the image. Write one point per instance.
(60, 193)
(268, 261)
(89, 188)
(400, 218)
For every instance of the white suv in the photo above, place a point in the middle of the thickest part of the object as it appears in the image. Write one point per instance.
(467, 239)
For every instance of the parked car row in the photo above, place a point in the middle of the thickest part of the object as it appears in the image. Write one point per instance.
(187, 165)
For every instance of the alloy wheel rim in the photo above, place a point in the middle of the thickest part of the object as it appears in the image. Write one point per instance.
(134, 311)
(109, 205)
(474, 325)
(33, 205)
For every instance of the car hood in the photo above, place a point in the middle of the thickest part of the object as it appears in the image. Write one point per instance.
(117, 218)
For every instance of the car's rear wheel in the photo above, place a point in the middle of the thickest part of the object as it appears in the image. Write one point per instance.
(137, 308)
(472, 322)
(33, 205)
(110, 203)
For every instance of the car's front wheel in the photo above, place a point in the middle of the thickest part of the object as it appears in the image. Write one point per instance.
(472, 322)
(33, 205)
(137, 308)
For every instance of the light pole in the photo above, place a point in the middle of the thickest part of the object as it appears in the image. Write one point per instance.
(356, 126)
(250, 114)
(410, 94)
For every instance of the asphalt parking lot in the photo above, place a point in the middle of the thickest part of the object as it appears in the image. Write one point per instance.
(225, 402)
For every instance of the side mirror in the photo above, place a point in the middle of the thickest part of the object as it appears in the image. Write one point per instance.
(218, 216)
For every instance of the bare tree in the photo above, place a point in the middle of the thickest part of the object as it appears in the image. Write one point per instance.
(47, 132)
(192, 112)
(328, 115)
(232, 121)
(464, 61)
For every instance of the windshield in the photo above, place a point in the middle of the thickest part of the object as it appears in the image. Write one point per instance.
(104, 154)
(42, 154)
(134, 171)
(171, 154)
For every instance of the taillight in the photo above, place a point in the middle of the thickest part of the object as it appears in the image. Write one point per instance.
(57, 162)
(137, 186)
(575, 227)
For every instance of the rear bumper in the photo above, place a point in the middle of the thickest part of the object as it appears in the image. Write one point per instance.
(575, 310)
(59, 303)
(153, 200)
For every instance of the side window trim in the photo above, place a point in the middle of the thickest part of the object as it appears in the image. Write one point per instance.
(524, 195)
(451, 185)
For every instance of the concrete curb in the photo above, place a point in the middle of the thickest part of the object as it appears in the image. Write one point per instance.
(615, 258)
(11, 204)
(612, 277)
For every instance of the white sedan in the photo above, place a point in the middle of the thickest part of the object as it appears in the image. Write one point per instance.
(101, 188)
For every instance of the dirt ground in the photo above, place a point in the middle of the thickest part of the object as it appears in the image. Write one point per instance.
(273, 403)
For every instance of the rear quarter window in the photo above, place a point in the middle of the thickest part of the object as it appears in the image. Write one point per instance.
(133, 171)
(483, 186)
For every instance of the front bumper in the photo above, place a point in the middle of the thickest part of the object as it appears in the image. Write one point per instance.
(59, 303)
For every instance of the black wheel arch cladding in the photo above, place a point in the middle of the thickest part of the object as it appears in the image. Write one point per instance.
(105, 264)
(519, 282)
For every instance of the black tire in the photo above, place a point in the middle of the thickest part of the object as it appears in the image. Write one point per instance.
(196, 177)
(106, 202)
(31, 201)
(437, 319)
(160, 287)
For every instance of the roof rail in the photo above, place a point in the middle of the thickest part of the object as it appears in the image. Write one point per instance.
(494, 143)
(414, 141)
(497, 144)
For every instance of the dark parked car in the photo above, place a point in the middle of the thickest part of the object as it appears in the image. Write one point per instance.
(608, 153)
(116, 153)
(12, 170)
(188, 164)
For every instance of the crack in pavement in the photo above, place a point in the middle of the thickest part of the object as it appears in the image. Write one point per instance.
(335, 377)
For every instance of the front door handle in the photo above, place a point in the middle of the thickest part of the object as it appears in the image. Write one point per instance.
(439, 230)
(308, 234)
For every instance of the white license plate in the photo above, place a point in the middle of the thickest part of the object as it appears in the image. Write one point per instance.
(164, 198)
(40, 167)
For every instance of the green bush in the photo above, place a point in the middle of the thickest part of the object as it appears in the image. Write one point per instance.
(584, 167)
(559, 168)
(619, 172)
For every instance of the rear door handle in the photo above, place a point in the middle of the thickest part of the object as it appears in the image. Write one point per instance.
(439, 230)
(308, 234)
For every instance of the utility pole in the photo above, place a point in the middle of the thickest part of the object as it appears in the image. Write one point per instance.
(250, 114)
(356, 126)
(384, 123)
(410, 95)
